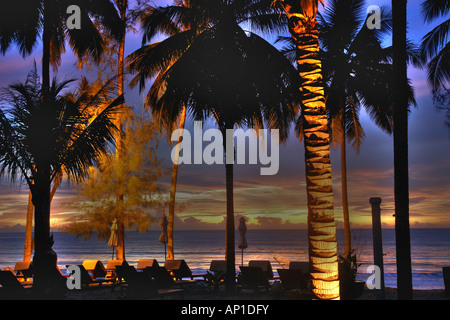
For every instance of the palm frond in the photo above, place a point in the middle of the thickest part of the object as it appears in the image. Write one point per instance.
(432, 9)
(434, 40)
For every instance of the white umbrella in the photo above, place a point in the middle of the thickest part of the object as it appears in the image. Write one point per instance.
(114, 238)
(242, 240)
(163, 237)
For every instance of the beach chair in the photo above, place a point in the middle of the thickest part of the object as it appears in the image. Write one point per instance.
(144, 263)
(446, 275)
(88, 280)
(95, 268)
(24, 270)
(264, 265)
(162, 278)
(178, 268)
(292, 279)
(140, 285)
(218, 266)
(253, 278)
(11, 287)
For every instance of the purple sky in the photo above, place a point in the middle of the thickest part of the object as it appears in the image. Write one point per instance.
(279, 201)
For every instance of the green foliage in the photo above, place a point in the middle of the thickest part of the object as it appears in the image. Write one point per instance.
(348, 267)
(138, 168)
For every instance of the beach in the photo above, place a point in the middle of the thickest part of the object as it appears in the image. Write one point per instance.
(105, 293)
(199, 248)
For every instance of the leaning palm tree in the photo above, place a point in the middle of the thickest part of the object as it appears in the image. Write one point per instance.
(214, 69)
(302, 23)
(43, 135)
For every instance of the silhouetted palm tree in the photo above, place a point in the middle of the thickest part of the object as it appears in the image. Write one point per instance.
(401, 177)
(357, 72)
(217, 70)
(313, 121)
(23, 21)
(435, 45)
(43, 135)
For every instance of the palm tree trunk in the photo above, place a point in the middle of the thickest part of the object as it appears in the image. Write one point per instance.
(120, 249)
(28, 247)
(229, 236)
(44, 259)
(345, 211)
(173, 189)
(401, 189)
(321, 223)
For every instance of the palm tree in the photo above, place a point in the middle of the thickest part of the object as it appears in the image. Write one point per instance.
(357, 72)
(125, 16)
(355, 69)
(22, 21)
(214, 69)
(43, 135)
(154, 20)
(302, 23)
(400, 115)
(434, 45)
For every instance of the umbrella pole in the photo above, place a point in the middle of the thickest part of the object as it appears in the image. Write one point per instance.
(242, 257)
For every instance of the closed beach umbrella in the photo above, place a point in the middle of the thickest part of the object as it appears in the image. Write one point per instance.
(242, 240)
(114, 238)
(163, 238)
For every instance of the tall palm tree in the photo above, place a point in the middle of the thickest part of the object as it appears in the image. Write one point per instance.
(217, 70)
(435, 46)
(401, 177)
(125, 16)
(302, 23)
(21, 23)
(357, 72)
(43, 135)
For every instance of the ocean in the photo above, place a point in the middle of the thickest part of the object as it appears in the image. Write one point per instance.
(430, 250)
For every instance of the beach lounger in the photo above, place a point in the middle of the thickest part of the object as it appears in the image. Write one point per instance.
(253, 278)
(95, 268)
(218, 266)
(144, 263)
(141, 285)
(292, 279)
(264, 265)
(24, 269)
(88, 280)
(180, 269)
(11, 287)
(162, 278)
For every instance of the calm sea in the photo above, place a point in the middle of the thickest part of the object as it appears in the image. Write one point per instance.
(430, 250)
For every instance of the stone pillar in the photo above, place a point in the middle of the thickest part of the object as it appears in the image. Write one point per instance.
(377, 242)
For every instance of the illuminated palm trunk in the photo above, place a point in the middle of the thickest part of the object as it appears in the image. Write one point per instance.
(321, 224)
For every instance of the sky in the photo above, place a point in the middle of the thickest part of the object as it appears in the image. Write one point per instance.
(279, 201)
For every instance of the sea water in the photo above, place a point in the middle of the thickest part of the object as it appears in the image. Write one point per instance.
(430, 250)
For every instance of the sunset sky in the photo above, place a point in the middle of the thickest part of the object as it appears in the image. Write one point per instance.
(279, 201)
